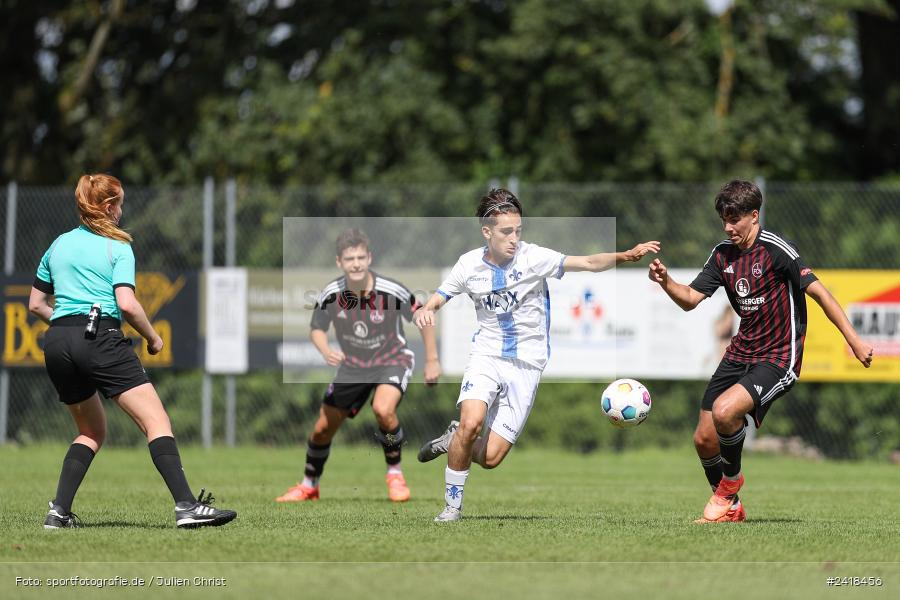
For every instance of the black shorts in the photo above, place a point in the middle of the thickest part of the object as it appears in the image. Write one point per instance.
(79, 366)
(351, 388)
(764, 381)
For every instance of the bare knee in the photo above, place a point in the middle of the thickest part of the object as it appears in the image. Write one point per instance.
(384, 416)
(706, 442)
(469, 428)
(725, 416)
(492, 462)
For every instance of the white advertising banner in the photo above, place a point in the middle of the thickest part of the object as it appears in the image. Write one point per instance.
(226, 320)
(612, 324)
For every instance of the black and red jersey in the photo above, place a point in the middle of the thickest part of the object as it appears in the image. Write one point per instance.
(368, 328)
(765, 285)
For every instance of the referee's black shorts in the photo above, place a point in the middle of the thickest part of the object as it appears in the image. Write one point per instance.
(79, 366)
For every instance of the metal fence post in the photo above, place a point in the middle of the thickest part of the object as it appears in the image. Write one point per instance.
(208, 232)
(12, 190)
(230, 250)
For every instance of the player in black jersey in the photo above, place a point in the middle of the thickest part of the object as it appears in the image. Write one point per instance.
(765, 280)
(366, 310)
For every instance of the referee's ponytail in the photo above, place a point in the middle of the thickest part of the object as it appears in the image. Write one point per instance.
(94, 194)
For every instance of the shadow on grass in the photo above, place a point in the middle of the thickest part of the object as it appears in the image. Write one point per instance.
(124, 524)
(505, 518)
(774, 520)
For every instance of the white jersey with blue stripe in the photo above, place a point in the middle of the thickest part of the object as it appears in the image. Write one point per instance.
(512, 302)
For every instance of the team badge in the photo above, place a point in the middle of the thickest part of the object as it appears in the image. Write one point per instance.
(757, 270)
(376, 316)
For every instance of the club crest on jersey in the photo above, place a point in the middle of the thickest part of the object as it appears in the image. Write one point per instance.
(376, 316)
(515, 275)
(742, 287)
(360, 329)
(757, 270)
(501, 301)
(468, 385)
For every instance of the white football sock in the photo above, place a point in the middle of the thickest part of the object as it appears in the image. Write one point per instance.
(453, 492)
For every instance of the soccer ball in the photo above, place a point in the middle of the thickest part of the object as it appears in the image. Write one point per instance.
(626, 403)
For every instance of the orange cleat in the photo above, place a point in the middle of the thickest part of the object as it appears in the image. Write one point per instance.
(720, 504)
(299, 493)
(397, 489)
(735, 514)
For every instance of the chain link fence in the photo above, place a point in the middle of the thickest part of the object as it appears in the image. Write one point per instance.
(841, 225)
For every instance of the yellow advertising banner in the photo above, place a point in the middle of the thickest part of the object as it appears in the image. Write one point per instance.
(871, 300)
(170, 301)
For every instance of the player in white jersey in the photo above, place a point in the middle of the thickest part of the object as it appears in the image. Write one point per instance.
(507, 280)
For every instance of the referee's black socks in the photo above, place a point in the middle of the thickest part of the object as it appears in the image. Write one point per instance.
(164, 452)
(74, 468)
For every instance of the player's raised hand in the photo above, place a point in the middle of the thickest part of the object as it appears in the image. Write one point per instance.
(658, 272)
(424, 318)
(432, 372)
(334, 357)
(864, 353)
(641, 250)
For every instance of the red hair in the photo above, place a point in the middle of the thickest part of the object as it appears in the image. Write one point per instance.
(94, 194)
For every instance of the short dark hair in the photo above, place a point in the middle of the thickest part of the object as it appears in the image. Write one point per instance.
(738, 198)
(495, 202)
(351, 238)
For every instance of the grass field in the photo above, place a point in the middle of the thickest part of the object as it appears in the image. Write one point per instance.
(545, 524)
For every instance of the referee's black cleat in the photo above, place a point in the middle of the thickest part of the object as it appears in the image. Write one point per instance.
(431, 450)
(201, 514)
(57, 518)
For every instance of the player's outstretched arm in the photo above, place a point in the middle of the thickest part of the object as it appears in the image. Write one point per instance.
(424, 316)
(596, 263)
(832, 309)
(686, 297)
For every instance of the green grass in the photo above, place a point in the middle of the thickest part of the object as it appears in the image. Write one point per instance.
(545, 524)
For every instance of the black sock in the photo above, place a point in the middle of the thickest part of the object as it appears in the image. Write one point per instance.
(164, 452)
(713, 469)
(731, 445)
(392, 443)
(316, 455)
(74, 468)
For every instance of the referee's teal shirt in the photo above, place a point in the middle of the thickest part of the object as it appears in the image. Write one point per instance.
(82, 268)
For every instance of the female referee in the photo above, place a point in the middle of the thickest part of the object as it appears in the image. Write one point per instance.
(85, 350)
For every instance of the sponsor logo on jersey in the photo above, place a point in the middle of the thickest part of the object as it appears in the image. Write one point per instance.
(758, 389)
(504, 300)
(360, 329)
(342, 314)
(742, 287)
(729, 269)
(757, 270)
